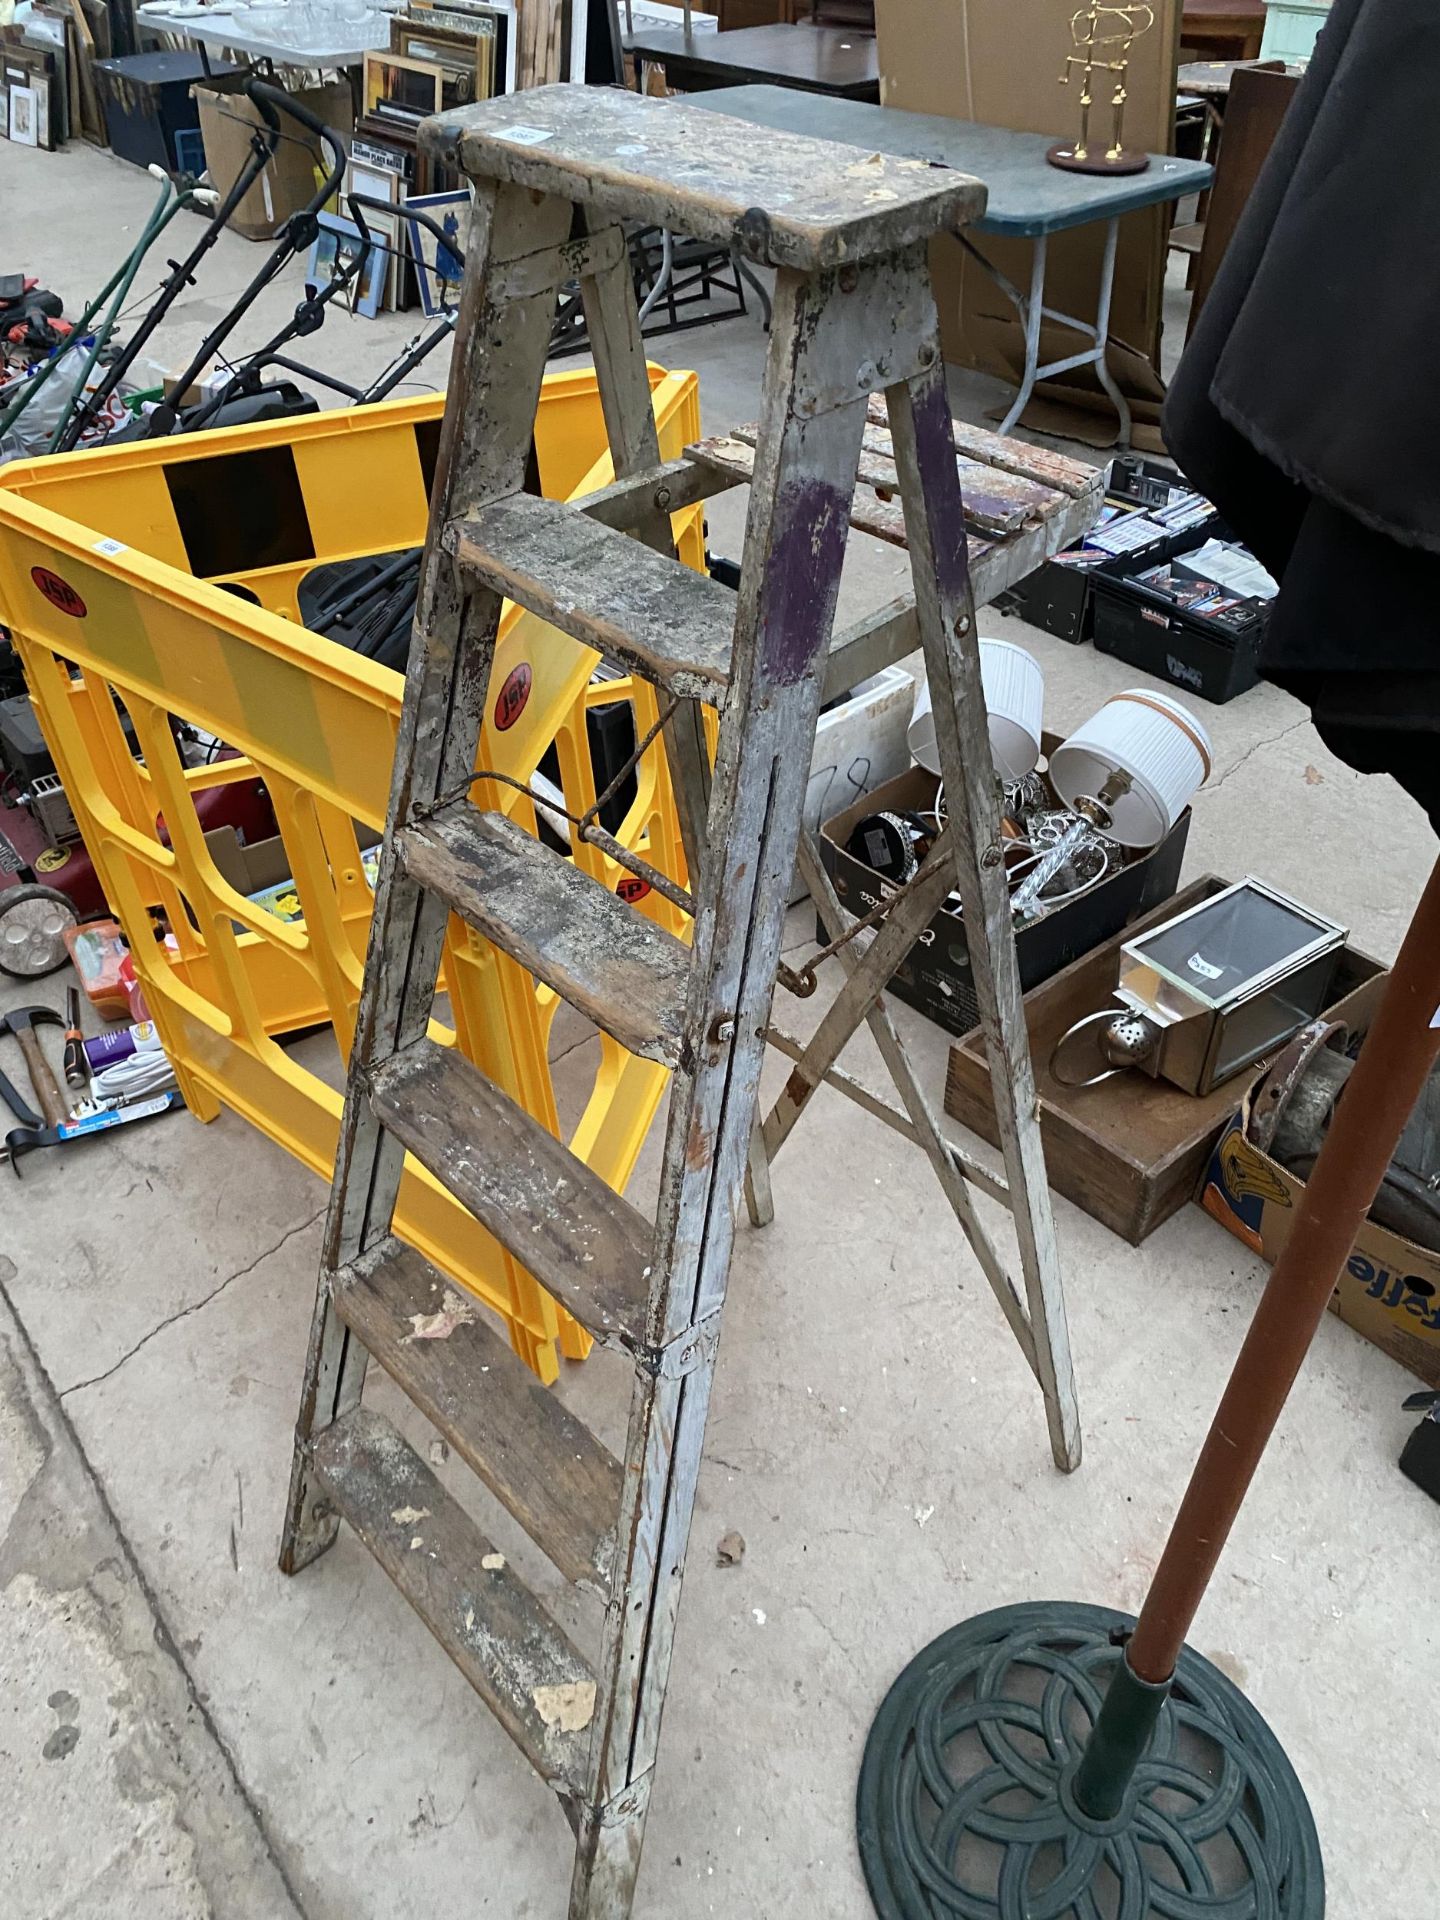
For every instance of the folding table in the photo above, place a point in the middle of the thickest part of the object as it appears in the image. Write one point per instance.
(1028, 199)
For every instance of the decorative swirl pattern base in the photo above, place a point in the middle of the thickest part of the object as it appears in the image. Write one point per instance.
(966, 1810)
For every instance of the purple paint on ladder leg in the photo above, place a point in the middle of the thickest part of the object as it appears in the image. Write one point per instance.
(935, 457)
(805, 571)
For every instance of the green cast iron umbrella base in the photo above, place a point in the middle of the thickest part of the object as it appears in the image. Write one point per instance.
(967, 1806)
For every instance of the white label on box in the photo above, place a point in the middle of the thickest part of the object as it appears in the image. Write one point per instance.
(1203, 968)
(524, 136)
(110, 548)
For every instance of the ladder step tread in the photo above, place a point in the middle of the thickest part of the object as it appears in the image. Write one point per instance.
(731, 454)
(517, 1658)
(621, 970)
(642, 610)
(583, 1243)
(544, 1464)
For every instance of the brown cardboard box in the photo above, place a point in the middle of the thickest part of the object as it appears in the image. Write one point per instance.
(999, 61)
(1390, 1288)
(226, 118)
(1133, 1150)
(252, 866)
(936, 975)
(249, 867)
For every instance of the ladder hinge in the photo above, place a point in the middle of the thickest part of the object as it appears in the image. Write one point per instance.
(686, 1353)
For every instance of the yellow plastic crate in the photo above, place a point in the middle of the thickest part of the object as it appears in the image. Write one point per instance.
(167, 574)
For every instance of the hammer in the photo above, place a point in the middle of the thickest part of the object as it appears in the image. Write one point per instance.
(22, 1022)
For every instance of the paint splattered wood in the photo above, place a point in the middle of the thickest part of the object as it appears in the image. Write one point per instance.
(1051, 469)
(516, 1657)
(995, 501)
(621, 970)
(786, 199)
(877, 476)
(543, 1464)
(883, 519)
(639, 609)
(582, 1242)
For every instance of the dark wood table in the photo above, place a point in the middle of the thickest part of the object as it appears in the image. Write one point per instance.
(1223, 29)
(829, 60)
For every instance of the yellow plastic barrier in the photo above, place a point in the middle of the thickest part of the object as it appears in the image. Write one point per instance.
(167, 574)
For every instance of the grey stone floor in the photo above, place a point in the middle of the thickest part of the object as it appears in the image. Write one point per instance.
(184, 1732)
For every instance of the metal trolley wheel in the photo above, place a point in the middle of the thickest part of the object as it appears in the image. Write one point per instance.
(33, 924)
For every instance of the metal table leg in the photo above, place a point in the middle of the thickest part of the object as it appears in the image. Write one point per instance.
(1032, 312)
(1102, 331)
(752, 280)
(663, 278)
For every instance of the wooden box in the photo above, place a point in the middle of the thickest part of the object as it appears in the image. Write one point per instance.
(1133, 1150)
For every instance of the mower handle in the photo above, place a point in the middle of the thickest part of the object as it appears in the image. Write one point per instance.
(430, 225)
(271, 100)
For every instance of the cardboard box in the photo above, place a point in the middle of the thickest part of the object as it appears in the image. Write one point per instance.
(860, 743)
(1000, 64)
(288, 183)
(936, 977)
(1132, 1151)
(1390, 1288)
(249, 866)
(260, 869)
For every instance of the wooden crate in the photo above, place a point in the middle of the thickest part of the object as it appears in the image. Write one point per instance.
(1132, 1151)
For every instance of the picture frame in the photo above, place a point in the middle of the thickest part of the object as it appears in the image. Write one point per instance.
(455, 54)
(340, 240)
(24, 127)
(34, 68)
(380, 183)
(430, 258)
(401, 90)
(488, 26)
(376, 183)
(440, 42)
(384, 159)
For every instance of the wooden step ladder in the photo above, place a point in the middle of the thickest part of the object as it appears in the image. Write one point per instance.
(556, 172)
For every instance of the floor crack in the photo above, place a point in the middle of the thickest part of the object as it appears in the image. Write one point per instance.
(565, 1052)
(182, 1313)
(1250, 752)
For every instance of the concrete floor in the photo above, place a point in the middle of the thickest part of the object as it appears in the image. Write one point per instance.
(183, 1732)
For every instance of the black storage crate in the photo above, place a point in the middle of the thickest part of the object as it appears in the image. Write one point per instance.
(147, 102)
(1054, 598)
(1057, 598)
(1192, 651)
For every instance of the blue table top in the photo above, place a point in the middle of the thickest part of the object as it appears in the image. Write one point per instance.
(1027, 194)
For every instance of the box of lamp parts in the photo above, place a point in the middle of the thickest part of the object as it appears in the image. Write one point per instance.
(936, 978)
(1195, 618)
(1389, 1290)
(1149, 515)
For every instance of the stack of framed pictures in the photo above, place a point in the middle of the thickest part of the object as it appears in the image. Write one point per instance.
(337, 245)
(31, 112)
(440, 57)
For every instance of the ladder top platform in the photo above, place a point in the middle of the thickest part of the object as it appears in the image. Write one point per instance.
(780, 198)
